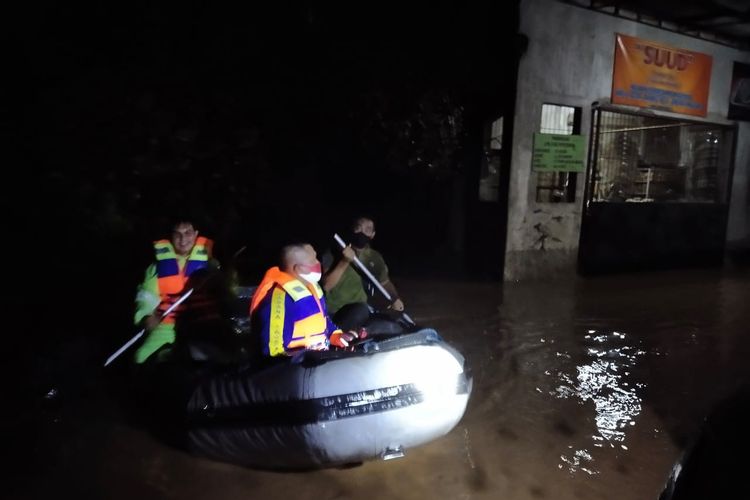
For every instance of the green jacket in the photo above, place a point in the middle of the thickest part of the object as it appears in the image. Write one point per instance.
(147, 299)
(350, 288)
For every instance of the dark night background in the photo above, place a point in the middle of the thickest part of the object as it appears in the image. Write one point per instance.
(265, 123)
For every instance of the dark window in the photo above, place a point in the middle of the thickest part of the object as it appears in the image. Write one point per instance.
(489, 177)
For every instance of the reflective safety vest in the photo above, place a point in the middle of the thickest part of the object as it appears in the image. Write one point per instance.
(171, 278)
(291, 314)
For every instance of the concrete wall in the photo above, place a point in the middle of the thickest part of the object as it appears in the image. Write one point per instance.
(569, 62)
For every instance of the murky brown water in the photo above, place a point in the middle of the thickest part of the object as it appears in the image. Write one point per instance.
(587, 389)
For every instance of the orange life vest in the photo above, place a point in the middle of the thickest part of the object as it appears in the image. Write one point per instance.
(171, 278)
(309, 324)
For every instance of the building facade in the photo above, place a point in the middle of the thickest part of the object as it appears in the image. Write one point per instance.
(645, 172)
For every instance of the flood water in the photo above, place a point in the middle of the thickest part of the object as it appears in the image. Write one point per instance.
(583, 389)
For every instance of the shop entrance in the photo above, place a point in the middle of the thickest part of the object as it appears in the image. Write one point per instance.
(657, 192)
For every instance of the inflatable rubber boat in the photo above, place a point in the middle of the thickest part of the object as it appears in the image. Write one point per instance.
(329, 408)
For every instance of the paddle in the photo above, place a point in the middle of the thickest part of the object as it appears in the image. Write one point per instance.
(138, 335)
(372, 278)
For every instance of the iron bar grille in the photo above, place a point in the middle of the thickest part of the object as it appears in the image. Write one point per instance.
(640, 158)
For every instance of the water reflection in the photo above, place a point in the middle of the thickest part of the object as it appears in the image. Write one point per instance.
(549, 418)
(577, 461)
(606, 381)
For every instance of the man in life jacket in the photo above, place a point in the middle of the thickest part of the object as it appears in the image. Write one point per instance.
(288, 309)
(177, 258)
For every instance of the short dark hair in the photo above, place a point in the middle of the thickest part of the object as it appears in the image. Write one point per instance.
(176, 220)
(362, 217)
(285, 255)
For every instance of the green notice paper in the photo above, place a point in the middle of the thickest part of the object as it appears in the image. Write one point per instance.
(557, 153)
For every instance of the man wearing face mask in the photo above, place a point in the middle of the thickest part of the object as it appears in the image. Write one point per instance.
(345, 287)
(288, 308)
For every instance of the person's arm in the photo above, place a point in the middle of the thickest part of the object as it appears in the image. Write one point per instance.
(332, 277)
(396, 303)
(147, 299)
(381, 272)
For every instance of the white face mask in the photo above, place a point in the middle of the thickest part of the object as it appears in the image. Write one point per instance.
(311, 277)
(315, 272)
